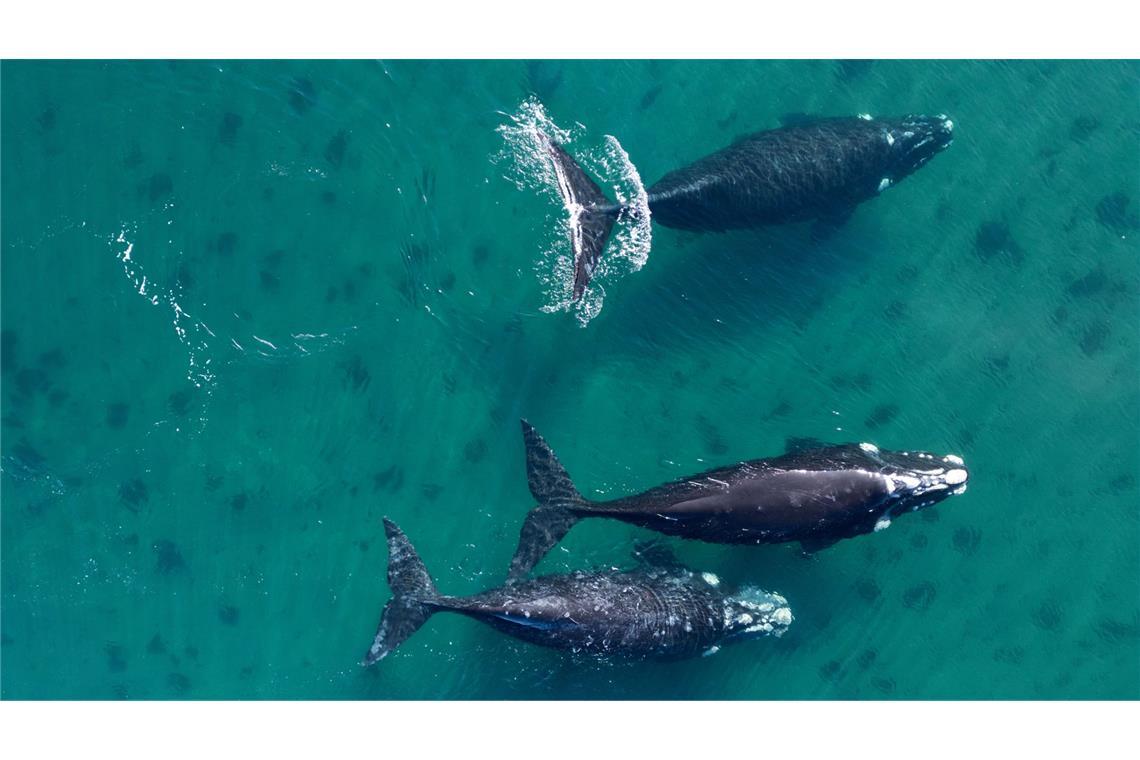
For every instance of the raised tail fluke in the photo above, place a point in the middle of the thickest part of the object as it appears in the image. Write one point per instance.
(413, 596)
(559, 504)
(592, 215)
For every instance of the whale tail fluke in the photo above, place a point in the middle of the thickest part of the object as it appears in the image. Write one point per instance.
(559, 504)
(592, 215)
(414, 597)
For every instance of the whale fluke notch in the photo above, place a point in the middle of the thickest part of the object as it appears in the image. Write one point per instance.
(592, 215)
(559, 504)
(414, 597)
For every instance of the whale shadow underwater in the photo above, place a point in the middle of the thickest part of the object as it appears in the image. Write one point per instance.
(716, 289)
(815, 494)
(814, 169)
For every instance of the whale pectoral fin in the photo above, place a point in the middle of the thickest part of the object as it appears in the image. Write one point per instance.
(810, 546)
(828, 224)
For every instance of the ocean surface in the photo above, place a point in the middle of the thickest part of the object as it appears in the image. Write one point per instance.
(250, 308)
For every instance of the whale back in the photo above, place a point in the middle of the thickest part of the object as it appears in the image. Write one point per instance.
(794, 173)
(642, 613)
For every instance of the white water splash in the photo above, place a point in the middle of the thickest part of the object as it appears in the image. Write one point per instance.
(199, 339)
(191, 332)
(524, 155)
(529, 167)
(290, 347)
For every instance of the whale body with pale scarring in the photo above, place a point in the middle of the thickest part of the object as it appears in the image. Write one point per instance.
(651, 612)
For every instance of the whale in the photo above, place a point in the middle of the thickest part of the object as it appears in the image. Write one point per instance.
(812, 169)
(814, 493)
(652, 612)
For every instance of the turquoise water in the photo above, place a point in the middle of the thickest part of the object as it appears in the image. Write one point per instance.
(342, 318)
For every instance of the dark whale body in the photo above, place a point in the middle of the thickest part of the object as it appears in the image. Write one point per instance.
(815, 494)
(820, 169)
(796, 173)
(646, 613)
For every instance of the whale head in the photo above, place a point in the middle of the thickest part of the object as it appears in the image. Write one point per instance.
(913, 141)
(752, 612)
(914, 479)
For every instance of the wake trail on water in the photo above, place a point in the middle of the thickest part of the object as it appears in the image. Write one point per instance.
(526, 156)
(207, 349)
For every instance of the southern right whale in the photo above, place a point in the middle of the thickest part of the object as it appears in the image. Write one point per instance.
(663, 613)
(816, 494)
(816, 169)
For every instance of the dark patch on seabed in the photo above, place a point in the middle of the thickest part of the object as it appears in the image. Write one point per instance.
(342, 319)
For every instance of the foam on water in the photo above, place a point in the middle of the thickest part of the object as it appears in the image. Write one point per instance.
(198, 370)
(206, 350)
(528, 164)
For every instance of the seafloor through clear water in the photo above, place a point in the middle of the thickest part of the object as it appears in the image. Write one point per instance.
(250, 308)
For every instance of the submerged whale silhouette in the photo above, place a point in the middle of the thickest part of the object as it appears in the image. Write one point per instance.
(819, 169)
(815, 494)
(663, 613)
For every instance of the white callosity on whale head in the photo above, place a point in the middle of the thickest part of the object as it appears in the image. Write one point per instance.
(711, 579)
(884, 183)
(882, 524)
(909, 481)
(953, 459)
(781, 619)
(955, 477)
(890, 485)
(758, 612)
